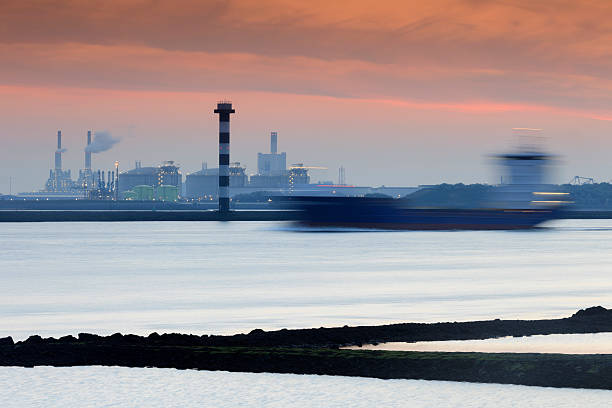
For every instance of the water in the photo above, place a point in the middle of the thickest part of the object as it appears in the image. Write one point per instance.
(66, 278)
(146, 387)
(207, 277)
(583, 343)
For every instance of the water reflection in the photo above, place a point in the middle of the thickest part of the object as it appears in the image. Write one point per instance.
(584, 343)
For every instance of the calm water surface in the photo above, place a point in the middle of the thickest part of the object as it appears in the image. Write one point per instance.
(66, 278)
(154, 387)
(583, 343)
(207, 277)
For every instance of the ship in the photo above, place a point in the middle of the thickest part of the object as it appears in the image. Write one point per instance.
(392, 214)
(523, 201)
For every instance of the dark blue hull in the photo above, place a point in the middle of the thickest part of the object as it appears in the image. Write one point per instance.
(388, 214)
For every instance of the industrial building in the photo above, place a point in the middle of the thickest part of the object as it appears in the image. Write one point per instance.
(167, 174)
(297, 176)
(204, 184)
(103, 188)
(89, 185)
(164, 182)
(138, 176)
(149, 193)
(273, 163)
(272, 176)
(271, 167)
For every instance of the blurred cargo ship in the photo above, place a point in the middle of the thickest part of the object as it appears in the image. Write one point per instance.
(380, 213)
(523, 201)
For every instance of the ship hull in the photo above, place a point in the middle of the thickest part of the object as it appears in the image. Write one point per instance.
(388, 215)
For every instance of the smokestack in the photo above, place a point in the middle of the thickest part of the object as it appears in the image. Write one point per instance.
(116, 180)
(224, 109)
(58, 152)
(273, 142)
(87, 152)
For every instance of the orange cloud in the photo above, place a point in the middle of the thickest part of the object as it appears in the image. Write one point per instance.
(146, 68)
(526, 38)
(518, 32)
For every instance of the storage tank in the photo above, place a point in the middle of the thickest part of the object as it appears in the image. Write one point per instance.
(167, 193)
(144, 193)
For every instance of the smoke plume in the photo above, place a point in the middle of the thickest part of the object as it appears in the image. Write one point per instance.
(102, 142)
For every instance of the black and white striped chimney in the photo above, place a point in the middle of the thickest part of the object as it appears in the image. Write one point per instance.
(224, 109)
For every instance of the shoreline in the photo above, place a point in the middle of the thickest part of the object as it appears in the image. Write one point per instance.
(21, 216)
(134, 215)
(317, 351)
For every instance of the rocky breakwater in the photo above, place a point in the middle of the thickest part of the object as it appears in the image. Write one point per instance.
(316, 351)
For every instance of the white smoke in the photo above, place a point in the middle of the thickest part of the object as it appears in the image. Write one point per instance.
(102, 142)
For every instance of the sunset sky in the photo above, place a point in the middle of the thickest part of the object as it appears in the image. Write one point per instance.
(398, 92)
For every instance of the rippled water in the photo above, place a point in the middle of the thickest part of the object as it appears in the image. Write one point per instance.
(584, 343)
(208, 277)
(147, 387)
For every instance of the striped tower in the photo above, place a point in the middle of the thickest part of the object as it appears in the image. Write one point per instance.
(224, 109)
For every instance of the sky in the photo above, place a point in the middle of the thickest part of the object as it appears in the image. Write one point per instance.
(397, 92)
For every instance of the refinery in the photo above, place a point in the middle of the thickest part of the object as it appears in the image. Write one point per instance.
(166, 182)
(230, 185)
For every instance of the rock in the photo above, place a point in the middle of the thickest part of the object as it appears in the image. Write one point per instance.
(116, 338)
(35, 339)
(6, 341)
(88, 337)
(591, 311)
(132, 339)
